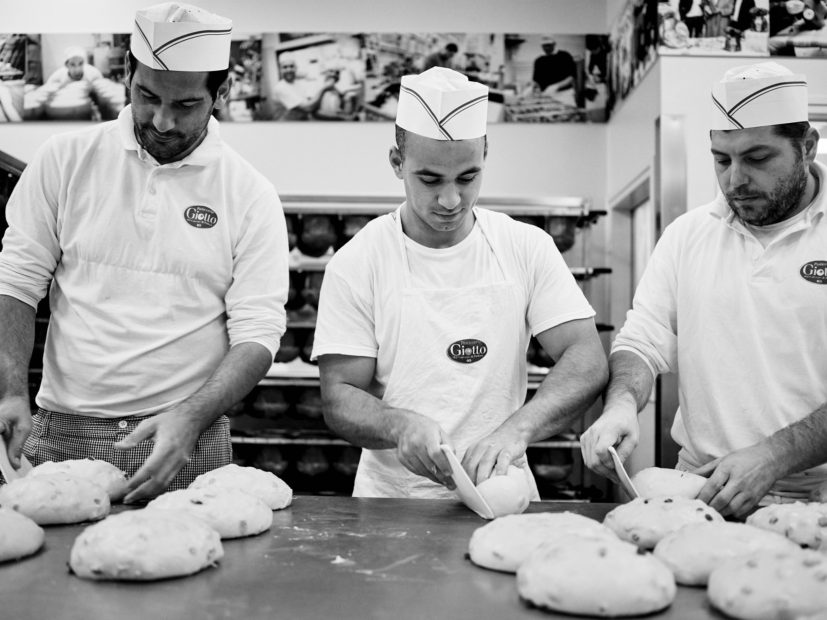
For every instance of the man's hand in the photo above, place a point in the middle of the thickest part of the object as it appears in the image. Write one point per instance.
(618, 426)
(492, 455)
(175, 436)
(15, 425)
(738, 481)
(417, 446)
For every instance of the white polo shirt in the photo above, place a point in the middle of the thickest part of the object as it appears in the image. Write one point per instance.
(744, 326)
(155, 270)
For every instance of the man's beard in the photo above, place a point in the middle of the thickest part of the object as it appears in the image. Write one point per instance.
(784, 198)
(164, 150)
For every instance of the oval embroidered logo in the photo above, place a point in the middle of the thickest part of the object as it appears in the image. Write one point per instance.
(467, 351)
(200, 216)
(815, 271)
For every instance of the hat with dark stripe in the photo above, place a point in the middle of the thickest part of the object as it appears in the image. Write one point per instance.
(756, 95)
(180, 37)
(442, 104)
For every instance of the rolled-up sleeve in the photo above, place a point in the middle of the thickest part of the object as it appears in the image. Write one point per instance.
(255, 299)
(651, 326)
(31, 250)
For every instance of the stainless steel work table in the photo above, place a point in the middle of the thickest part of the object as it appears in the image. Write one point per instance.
(323, 558)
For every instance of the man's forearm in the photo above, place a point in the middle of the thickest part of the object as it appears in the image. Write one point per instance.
(242, 368)
(16, 344)
(362, 419)
(629, 378)
(568, 390)
(801, 445)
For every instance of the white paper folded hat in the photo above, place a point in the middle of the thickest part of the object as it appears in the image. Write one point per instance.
(180, 37)
(756, 95)
(442, 104)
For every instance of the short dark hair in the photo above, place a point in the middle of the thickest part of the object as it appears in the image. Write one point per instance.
(452, 47)
(402, 135)
(794, 132)
(214, 78)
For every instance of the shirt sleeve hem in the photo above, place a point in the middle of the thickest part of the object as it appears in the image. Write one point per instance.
(14, 294)
(645, 359)
(563, 318)
(333, 349)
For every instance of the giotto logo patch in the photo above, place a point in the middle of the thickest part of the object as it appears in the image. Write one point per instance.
(467, 351)
(200, 216)
(815, 271)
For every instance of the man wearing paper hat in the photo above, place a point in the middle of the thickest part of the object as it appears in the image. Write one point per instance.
(734, 299)
(166, 258)
(426, 314)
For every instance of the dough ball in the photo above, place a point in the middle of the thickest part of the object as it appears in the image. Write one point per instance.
(504, 543)
(770, 584)
(263, 484)
(230, 512)
(596, 577)
(695, 550)
(50, 499)
(644, 522)
(508, 494)
(19, 535)
(143, 545)
(102, 473)
(805, 524)
(662, 481)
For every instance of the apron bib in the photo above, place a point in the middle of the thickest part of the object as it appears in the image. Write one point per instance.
(461, 361)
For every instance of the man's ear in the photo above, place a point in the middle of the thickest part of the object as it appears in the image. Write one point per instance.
(222, 95)
(811, 139)
(395, 158)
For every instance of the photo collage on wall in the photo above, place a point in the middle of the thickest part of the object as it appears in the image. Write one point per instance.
(536, 78)
(744, 27)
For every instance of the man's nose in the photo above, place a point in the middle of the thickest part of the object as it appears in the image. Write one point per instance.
(449, 197)
(162, 119)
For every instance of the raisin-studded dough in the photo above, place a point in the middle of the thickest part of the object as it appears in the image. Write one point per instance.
(644, 522)
(771, 584)
(805, 524)
(595, 577)
(102, 473)
(263, 484)
(51, 499)
(19, 535)
(662, 481)
(695, 550)
(144, 545)
(508, 494)
(504, 543)
(230, 512)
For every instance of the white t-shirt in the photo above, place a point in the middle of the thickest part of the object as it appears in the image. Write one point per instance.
(155, 270)
(744, 326)
(360, 296)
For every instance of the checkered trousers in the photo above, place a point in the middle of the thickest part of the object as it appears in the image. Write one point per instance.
(62, 436)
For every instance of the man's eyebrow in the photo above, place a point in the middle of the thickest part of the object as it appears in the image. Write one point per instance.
(152, 93)
(752, 149)
(432, 173)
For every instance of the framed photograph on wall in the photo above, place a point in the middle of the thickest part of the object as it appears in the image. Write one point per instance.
(81, 78)
(714, 27)
(389, 56)
(312, 76)
(20, 70)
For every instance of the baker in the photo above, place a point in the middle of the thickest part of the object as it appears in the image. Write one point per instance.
(734, 299)
(425, 315)
(165, 257)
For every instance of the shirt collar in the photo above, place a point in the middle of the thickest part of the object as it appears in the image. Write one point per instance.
(816, 208)
(203, 154)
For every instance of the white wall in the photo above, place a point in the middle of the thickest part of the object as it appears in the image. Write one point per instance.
(351, 158)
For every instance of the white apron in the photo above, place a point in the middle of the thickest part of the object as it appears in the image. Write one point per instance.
(469, 396)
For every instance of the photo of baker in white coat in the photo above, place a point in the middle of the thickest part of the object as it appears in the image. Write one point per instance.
(734, 299)
(426, 314)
